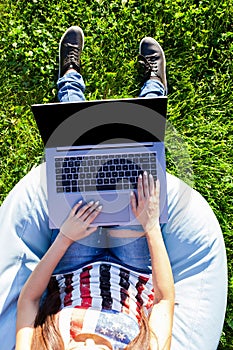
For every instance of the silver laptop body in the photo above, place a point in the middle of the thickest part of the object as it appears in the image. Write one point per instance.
(95, 150)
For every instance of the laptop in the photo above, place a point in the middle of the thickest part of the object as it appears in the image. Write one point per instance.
(95, 150)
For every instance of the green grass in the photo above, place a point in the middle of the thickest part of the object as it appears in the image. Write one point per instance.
(197, 40)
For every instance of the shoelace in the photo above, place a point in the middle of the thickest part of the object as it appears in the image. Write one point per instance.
(150, 64)
(73, 54)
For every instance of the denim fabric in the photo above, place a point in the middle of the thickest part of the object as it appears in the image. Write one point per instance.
(152, 88)
(132, 253)
(71, 87)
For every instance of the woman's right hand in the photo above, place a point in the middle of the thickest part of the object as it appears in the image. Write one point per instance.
(77, 225)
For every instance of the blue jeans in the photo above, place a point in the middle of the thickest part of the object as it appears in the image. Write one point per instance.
(132, 253)
(71, 88)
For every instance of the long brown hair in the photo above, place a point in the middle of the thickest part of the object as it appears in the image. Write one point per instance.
(46, 335)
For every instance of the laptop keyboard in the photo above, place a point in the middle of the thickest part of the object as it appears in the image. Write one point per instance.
(102, 172)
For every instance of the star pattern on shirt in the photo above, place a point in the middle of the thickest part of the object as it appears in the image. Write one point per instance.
(120, 336)
(104, 330)
(113, 333)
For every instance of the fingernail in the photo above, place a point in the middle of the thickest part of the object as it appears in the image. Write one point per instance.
(97, 203)
(140, 176)
(80, 201)
(100, 207)
(145, 173)
(91, 202)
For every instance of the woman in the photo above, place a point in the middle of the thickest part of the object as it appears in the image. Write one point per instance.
(140, 319)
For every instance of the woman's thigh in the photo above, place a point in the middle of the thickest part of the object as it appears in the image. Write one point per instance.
(129, 246)
(126, 246)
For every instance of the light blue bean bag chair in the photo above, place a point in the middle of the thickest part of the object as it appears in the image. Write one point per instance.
(192, 236)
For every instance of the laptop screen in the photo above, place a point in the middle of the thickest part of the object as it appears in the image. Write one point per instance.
(94, 122)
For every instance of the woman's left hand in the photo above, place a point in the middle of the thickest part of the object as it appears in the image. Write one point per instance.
(146, 206)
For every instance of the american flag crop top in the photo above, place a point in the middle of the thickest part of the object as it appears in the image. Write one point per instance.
(103, 298)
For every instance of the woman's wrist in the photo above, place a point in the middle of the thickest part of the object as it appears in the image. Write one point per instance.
(152, 230)
(65, 240)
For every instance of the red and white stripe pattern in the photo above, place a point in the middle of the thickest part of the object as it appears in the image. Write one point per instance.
(106, 286)
(100, 298)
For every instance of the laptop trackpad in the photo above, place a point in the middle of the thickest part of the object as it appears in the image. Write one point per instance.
(115, 208)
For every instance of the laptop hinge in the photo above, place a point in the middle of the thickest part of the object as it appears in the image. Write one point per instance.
(102, 146)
